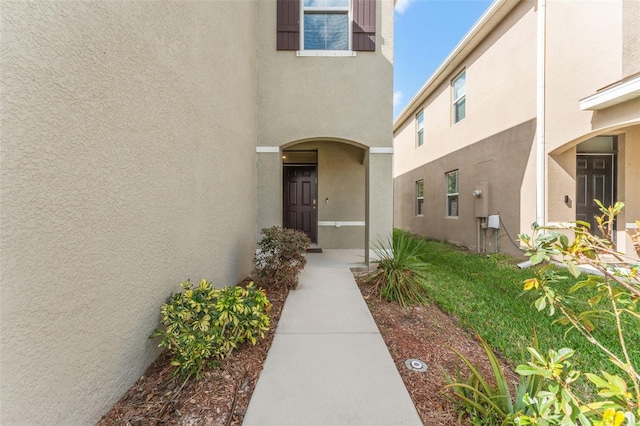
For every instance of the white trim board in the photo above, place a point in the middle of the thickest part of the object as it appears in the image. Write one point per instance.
(336, 53)
(268, 149)
(340, 223)
(618, 93)
(381, 150)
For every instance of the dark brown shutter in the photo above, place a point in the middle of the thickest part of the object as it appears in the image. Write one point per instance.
(364, 25)
(288, 24)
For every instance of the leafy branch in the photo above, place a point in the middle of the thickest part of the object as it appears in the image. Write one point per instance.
(619, 284)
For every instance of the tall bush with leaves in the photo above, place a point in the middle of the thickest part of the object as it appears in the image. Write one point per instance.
(281, 257)
(612, 295)
(204, 323)
(399, 276)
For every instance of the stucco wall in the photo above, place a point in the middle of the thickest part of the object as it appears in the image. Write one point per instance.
(500, 94)
(631, 174)
(589, 45)
(629, 186)
(584, 54)
(323, 98)
(310, 97)
(581, 60)
(120, 123)
(500, 161)
(630, 37)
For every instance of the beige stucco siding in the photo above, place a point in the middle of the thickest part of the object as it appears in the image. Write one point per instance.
(630, 37)
(580, 59)
(497, 90)
(630, 173)
(628, 186)
(312, 97)
(319, 98)
(120, 123)
(588, 47)
(490, 160)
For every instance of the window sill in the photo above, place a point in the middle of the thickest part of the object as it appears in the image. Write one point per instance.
(341, 53)
(451, 217)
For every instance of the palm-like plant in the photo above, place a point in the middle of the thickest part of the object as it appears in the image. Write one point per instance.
(399, 276)
(490, 402)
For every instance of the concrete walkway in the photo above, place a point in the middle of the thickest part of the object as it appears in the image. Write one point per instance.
(328, 364)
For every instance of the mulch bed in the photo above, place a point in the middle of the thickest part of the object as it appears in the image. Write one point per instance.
(428, 334)
(219, 398)
(222, 395)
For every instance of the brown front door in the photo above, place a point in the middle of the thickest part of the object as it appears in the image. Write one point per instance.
(594, 180)
(300, 200)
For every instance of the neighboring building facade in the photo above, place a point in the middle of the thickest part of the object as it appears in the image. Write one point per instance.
(143, 144)
(534, 114)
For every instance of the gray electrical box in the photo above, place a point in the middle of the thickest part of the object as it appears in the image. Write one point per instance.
(481, 199)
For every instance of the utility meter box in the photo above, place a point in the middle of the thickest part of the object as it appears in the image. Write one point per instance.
(481, 199)
(494, 221)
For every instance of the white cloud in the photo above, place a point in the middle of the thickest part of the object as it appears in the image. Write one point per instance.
(397, 97)
(403, 5)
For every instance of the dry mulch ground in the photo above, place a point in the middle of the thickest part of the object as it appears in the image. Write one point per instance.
(222, 395)
(428, 334)
(219, 398)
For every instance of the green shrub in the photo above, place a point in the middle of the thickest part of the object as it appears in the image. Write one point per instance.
(281, 257)
(615, 296)
(206, 322)
(489, 402)
(399, 276)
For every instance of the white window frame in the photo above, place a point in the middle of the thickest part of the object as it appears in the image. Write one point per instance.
(419, 198)
(450, 195)
(348, 52)
(419, 129)
(459, 99)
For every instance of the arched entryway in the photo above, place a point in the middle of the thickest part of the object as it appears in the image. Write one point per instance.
(324, 192)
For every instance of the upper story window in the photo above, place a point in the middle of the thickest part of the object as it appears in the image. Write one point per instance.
(326, 24)
(452, 193)
(420, 128)
(420, 198)
(459, 87)
(326, 27)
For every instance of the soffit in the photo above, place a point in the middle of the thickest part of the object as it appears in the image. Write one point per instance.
(616, 93)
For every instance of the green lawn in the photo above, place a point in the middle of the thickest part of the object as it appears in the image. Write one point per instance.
(487, 293)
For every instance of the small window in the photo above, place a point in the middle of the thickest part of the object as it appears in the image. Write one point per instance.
(326, 27)
(325, 24)
(459, 97)
(420, 128)
(420, 198)
(452, 193)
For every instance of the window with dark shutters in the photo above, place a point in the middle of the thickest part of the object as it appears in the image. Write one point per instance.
(363, 25)
(288, 24)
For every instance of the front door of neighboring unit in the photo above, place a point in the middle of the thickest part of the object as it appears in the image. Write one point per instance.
(300, 199)
(594, 180)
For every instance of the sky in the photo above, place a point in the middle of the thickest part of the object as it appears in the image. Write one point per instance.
(426, 31)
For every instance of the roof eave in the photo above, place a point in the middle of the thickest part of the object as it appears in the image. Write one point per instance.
(623, 91)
